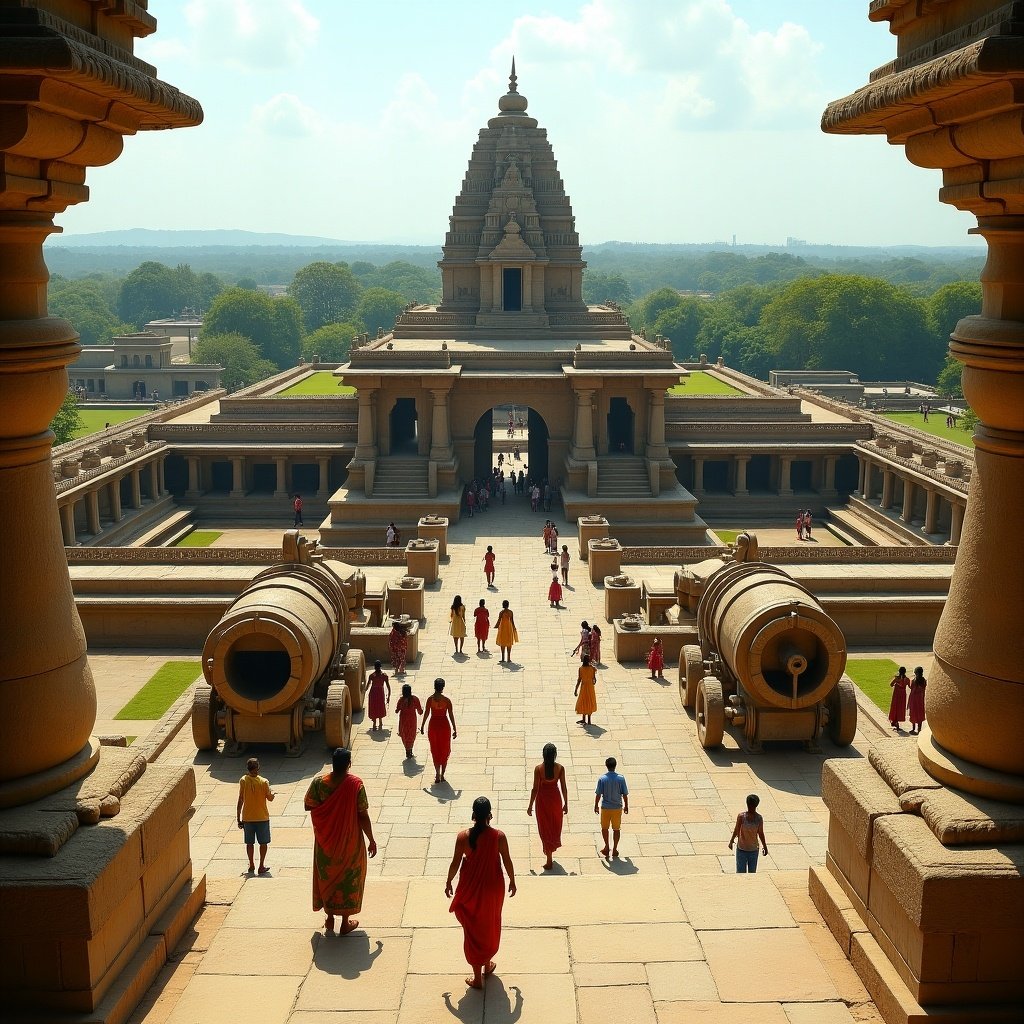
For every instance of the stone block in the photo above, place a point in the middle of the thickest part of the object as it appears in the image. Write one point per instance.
(896, 761)
(597, 1004)
(959, 819)
(406, 600)
(731, 902)
(371, 968)
(161, 873)
(604, 556)
(434, 528)
(422, 559)
(856, 795)
(590, 528)
(619, 599)
(848, 860)
(634, 943)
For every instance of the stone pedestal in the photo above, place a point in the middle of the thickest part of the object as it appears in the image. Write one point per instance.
(620, 598)
(605, 558)
(434, 528)
(422, 559)
(590, 527)
(405, 597)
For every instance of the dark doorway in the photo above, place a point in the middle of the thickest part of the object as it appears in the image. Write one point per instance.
(512, 289)
(534, 452)
(403, 427)
(175, 475)
(620, 427)
(125, 491)
(139, 389)
(483, 446)
(847, 474)
(179, 389)
(759, 474)
(221, 477)
(264, 478)
(716, 477)
(537, 447)
(305, 478)
(800, 476)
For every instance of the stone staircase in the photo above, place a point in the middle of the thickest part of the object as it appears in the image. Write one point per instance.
(401, 477)
(622, 476)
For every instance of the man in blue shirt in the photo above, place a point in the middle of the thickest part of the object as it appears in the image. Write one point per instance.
(611, 797)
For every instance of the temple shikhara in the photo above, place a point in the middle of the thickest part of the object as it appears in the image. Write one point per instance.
(894, 886)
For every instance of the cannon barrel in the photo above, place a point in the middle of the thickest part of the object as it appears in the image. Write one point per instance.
(772, 636)
(279, 637)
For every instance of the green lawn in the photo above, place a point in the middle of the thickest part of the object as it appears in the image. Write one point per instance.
(94, 420)
(936, 425)
(701, 383)
(169, 682)
(873, 675)
(727, 536)
(323, 382)
(198, 539)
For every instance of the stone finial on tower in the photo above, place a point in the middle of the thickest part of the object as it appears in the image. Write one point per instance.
(512, 76)
(512, 107)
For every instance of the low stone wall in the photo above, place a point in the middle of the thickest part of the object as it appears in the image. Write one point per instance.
(654, 555)
(223, 556)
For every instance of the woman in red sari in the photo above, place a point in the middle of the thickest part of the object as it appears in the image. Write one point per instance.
(479, 854)
(398, 645)
(438, 712)
(481, 626)
(548, 779)
(338, 806)
(915, 705)
(898, 705)
(408, 707)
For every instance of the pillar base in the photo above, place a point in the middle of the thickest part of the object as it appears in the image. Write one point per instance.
(16, 792)
(963, 775)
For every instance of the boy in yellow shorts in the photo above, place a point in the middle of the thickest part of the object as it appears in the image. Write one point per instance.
(611, 798)
(253, 814)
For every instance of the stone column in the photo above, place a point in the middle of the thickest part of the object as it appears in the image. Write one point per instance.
(440, 431)
(931, 510)
(741, 474)
(237, 476)
(583, 436)
(67, 524)
(115, 499)
(194, 483)
(956, 522)
(785, 483)
(154, 479)
(908, 501)
(829, 480)
(136, 479)
(698, 475)
(92, 512)
(366, 428)
(161, 482)
(887, 484)
(656, 447)
(527, 288)
(281, 485)
(497, 294)
(324, 490)
(863, 472)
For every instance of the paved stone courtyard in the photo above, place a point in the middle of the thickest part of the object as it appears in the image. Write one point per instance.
(666, 934)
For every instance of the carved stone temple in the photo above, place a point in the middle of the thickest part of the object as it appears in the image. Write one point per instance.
(512, 276)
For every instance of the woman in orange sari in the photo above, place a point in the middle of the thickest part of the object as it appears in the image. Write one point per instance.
(338, 806)
(548, 779)
(479, 854)
(438, 712)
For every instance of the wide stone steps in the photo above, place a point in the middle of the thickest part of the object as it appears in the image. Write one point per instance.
(398, 477)
(622, 477)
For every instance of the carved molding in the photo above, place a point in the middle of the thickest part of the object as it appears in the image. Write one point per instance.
(668, 555)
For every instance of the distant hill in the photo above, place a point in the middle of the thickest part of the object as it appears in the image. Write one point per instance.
(150, 239)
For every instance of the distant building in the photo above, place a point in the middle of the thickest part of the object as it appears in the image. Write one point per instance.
(187, 323)
(139, 366)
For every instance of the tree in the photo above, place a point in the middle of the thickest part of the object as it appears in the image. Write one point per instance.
(67, 421)
(239, 357)
(599, 287)
(647, 310)
(332, 342)
(273, 325)
(83, 304)
(151, 291)
(326, 293)
(378, 307)
(950, 383)
(414, 284)
(680, 323)
(952, 302)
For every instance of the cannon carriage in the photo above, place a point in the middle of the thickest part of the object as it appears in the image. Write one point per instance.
(278, 664)
(769, 660)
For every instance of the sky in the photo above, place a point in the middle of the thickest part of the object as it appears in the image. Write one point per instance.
(671, 120)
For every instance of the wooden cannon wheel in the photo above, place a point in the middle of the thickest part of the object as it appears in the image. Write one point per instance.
(355, 676)
(691, 672)
(338, 715)
(710, 712)
(842, 713)
(204, 718)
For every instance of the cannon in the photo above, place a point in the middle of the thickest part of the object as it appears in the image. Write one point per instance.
(769, 659)
(278, 664)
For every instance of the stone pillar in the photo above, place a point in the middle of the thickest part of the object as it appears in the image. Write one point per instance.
(324, 490)
(154, 479)
(863, 476)
(931, 510)
(785, 483)
(440, 431)
(956, 522)
(281, 484)
(829, 480)
(161, 482)
(887, 484)
(237, 476)
(114, 488)
(741, 474)
(497, 295)
(583, 435)
(656, 447)
(67, 524)
(92, 512)
(136, 479)
(527, 288)
(194, 483)
(366, 428)
(908, 501)
(698, 475)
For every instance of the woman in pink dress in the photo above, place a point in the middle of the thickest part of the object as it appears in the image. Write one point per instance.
(898, 706)
(481, 625)
(555, 593)
(408, 707)
(915, 706)
(656, 660)
(375, 685)
(398, 645)
(595, 645)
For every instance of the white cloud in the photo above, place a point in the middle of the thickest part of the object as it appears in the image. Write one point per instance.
(252, 35)
(286, 115)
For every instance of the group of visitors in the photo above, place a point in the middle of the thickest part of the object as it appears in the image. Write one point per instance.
(803, 524)
(506, 633)
(907, 698)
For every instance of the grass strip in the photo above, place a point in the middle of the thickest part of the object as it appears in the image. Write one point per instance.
(95, 420)
(322, 382)
(873, 676)
(700, 382)
(167, 684)
(198, 539)
(936, 426)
